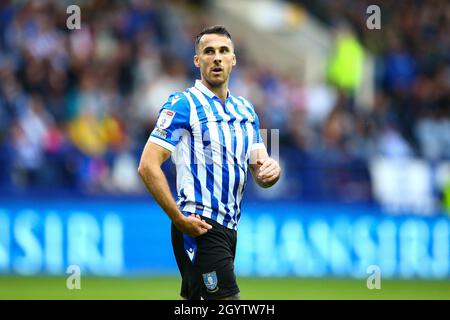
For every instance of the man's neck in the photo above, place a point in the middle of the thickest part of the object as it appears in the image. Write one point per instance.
(220, 91)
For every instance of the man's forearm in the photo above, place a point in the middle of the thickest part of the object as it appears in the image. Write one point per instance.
(156, 183)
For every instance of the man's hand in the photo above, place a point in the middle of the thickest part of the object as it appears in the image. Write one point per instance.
(192, 225)
(268, 173)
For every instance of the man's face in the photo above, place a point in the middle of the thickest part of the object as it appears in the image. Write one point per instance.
(215, 58)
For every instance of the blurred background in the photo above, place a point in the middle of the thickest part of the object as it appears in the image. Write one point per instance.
(358, 117)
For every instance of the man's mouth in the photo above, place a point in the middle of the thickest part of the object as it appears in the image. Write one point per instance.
(217, 69)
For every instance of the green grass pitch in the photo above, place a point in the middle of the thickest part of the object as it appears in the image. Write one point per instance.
(162, 288)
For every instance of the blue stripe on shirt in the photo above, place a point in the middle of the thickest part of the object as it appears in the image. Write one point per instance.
(207, 149)
(225, 172)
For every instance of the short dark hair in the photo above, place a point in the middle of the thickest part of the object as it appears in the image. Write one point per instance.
(217, 29)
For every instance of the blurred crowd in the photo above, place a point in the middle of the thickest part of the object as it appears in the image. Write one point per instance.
(77, 106)
(412, 52)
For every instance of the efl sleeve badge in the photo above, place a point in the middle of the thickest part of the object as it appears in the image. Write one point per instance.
(165, 118)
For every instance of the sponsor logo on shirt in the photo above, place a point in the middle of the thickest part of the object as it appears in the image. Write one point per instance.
(160, 133)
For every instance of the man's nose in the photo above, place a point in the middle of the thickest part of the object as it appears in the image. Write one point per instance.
(217, 57)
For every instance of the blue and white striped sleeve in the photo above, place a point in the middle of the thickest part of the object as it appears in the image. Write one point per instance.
(257, 141)
(173, 120)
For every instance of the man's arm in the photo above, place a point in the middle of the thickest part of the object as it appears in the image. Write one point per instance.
(265, 170)
(154, 179)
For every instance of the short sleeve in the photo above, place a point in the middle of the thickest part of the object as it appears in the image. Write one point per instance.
(173, 120)
(257, 133)
(257, 141)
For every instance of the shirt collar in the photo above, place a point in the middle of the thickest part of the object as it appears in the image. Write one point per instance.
(203, 89)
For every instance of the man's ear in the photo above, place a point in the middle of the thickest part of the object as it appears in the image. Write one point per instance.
(196, 62)
(234, 59)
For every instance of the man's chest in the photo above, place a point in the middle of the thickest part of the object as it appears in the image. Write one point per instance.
(222, 128)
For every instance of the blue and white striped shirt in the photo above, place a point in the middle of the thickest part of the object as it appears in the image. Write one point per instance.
(210, 143)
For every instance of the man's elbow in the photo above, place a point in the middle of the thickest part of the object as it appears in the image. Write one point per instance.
(140, 170)
(144, 169)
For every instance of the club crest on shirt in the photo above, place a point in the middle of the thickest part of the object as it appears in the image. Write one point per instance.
(210, 281)
(165, 119)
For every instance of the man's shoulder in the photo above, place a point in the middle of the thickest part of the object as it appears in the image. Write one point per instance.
(178, 97)
(246, 104)
(244, 101)
(177, 101)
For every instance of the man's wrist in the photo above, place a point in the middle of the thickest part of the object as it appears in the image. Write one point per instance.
(178, 218)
